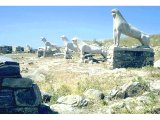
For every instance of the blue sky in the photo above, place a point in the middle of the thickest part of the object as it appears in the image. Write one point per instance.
(22, 25)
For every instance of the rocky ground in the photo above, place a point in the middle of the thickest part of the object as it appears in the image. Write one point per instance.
(92, 88)
(71, 87)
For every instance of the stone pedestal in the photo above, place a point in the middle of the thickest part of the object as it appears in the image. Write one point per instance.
(123, 57)
(46, 54)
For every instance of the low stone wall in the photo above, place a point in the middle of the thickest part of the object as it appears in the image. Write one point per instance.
(5, 49)
(130, 57)
(18, 49)
(17, 94)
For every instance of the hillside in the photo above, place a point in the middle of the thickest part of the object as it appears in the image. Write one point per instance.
(60, 77)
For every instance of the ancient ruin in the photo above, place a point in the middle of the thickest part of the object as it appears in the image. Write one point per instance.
(18, 95)
(84, 49)
(18, 49)
(69, 47)
(5, 49)
(29, 49)
(120, 26)
(48, 50)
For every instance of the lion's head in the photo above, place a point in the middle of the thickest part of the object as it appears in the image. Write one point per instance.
(116, 14)
(75, 40)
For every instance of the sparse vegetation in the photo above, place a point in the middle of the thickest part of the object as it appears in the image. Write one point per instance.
(66, 77)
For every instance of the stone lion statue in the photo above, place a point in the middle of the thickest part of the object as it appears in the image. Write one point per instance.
(69, 47)
(120, 26)
(48, 46)
(84, 48)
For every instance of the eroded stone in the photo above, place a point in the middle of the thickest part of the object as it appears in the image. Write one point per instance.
(28, 97)
(17, 82)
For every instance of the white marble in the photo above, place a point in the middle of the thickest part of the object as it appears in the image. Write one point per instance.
(89, 49)
(49, 46)
(69, 47)
(120, 26)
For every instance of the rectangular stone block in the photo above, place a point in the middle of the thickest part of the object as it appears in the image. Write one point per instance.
(6, 99)
(18, 49)
(5, 49)
(9, 68)
(19, 110)
(47, 53)
(131, 57)
(17, 82)
(28, 97)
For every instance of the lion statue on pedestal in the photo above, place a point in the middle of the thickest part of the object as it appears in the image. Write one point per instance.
(69, 47)
(84, 49)
(120, 26)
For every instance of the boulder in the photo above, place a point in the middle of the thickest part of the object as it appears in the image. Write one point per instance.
(155, 86)
(112, 93)
(129, 90)
(9, 68)
(156, 110)
(157, 63)
(17, 83)
(115, 107)
(94, 94)
(73, 100)
(46, 97)
(62, 108)
(45, 109)
(143, 100)
(133, 89)
(121, 94)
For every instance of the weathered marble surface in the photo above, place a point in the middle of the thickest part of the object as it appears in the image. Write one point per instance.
(120, 26)
(84, 48)
(69, 47)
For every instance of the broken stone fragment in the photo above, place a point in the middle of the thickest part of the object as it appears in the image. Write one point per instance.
(94, 94)
(9, 68)
(46, 97)
(17, 82)
(73, 100)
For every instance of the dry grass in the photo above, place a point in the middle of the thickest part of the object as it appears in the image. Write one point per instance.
(66, 77)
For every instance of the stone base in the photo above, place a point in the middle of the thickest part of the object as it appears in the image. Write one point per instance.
(19, 110)
(46, 54)
(122, 57)
(16, 100)
(68, 56)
